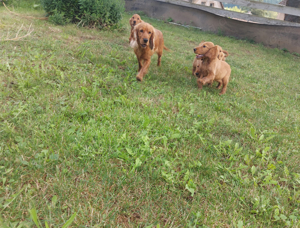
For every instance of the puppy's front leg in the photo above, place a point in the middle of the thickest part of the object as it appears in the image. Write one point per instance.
(200, 85)
(143, 70)
(131, 37)
(140, 65)
(208, 79)
(139, 60)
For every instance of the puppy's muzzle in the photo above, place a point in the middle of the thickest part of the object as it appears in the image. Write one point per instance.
(145, 43)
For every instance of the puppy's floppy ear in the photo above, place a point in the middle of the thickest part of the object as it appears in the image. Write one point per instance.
(130, 22)
(136, 33)
(212, 53)
(151, 41)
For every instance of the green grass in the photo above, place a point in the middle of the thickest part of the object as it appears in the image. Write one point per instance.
(79, 134)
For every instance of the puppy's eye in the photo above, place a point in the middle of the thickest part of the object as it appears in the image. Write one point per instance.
(204, 46)
(141, 30)
(132, 17)
(138, 18)
(149, 32)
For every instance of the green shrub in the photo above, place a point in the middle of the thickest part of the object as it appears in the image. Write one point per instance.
(92, 13)
(70, 8)
(58, 18)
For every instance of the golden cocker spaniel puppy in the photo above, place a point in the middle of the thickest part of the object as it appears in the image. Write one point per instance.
(198, 61)
(146, 41)
(133, 21)
(214, 68)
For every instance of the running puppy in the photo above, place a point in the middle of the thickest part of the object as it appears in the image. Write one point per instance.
(198, 61)
(146, 41)
(216, 69)
(133, 21)
(222, 56)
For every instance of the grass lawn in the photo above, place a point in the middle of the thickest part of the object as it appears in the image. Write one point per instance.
(79, 134)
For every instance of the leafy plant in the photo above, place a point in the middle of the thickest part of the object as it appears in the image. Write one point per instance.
(58, 18)
(191, 187)
(170, 19)
(92, 13)
(296, 54)
(285, 50)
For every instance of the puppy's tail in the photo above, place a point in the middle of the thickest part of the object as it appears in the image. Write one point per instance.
(226, 53)
(167, 49)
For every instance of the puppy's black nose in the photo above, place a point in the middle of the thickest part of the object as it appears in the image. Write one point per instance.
(195, 49)
(134, 22)
(145, 40)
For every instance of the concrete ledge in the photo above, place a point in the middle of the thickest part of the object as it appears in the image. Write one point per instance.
(232, 14)
(276, 36)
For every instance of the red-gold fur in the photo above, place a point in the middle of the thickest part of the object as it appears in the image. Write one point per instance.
(147, 41)
(198, 61)
(196, 66)
(216, 69)
(222, 56)
(133, 21)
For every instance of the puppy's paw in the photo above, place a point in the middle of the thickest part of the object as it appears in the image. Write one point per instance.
(200, 86)
(139, 78)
